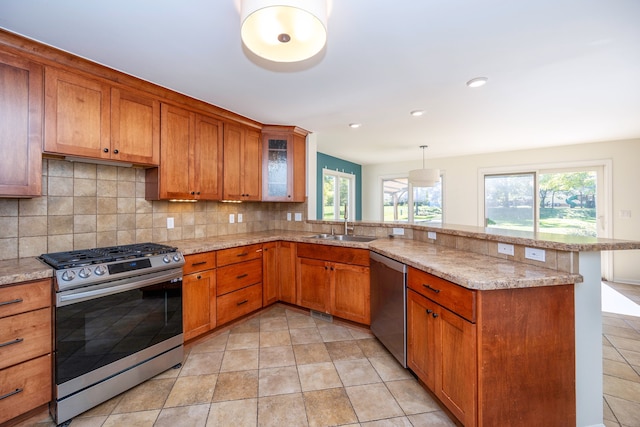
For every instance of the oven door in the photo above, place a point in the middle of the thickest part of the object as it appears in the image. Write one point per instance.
(107, 328)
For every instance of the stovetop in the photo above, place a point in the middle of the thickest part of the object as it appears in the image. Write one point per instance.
(80, 258)
(111, 265)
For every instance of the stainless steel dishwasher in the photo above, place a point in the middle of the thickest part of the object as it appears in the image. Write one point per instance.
(388, 304)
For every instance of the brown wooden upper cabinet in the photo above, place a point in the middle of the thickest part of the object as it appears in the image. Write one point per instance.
(191, 157)
(20, 127)
(283, 164)
(242, 163)
(89, 118)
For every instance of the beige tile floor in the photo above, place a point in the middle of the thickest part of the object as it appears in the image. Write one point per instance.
(284, 368)
(279, 368)
(621, 363)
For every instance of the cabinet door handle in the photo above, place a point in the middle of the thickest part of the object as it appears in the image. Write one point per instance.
(241, 276)
(193, 264)
(106, 150)
(16, 341)
(429, 311)
(437, 291)
(115, 151)
(199, 277)
(243, 254)
(243, 302)
(435, 315)
(11, 393)
(13, 301)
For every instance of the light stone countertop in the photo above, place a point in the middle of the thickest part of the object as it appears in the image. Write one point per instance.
(23, 270)
(467, 269)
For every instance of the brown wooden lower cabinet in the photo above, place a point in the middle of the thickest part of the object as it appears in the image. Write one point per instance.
(199, 294)
(508, 360)
(339, 288)
(287, 272)
(442, 352)
(199, 303)
(25, 350)
(239, 282)
(278, 272)
(270, 278)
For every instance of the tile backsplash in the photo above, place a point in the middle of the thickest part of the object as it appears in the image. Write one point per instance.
(86, 205)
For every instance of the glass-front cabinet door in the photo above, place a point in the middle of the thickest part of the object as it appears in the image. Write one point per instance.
(277, 165)
(283, 167)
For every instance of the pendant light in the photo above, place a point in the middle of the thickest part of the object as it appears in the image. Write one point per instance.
(284, 30)
(424, 177)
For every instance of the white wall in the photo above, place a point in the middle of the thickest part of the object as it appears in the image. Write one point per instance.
(461, 187)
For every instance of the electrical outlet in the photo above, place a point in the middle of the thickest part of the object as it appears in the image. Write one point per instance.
(398, 231)
(298, 216)
(431, 235)
(232, 218)
(239, 217)
(534, 254)
(504, 248)
(170, 223)
(288, 216)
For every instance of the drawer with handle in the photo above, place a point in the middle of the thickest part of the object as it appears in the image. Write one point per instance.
(25, 297)
(25, 336)
(237, 276)
(236, 304)
(239, 254)
(199, 262)
(456, 298)
(24, 387)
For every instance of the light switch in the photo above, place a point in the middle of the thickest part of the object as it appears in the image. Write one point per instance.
(170, 223)
(239, 217)
(232, 218)
(298, 216)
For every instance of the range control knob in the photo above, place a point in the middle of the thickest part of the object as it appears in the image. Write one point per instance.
(100, 270)
(176, 257)
(166, 259)
(84, 272)
(68, 275)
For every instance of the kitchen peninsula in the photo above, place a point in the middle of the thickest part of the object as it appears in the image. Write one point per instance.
(468, 257)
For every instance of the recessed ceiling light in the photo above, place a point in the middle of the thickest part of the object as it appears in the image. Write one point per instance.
(417, 113)
(354, 125)
(477, 82)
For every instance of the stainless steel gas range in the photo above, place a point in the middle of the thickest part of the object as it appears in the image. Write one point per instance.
(118, 321)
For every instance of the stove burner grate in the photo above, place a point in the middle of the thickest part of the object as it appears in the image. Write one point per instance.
(79, 258)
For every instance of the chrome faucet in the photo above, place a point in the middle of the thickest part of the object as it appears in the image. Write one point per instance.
(346, 220)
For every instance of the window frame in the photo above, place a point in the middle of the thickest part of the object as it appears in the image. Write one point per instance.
(351, 194)
(410, 195)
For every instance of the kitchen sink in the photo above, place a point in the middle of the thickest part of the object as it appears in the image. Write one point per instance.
(343, 237)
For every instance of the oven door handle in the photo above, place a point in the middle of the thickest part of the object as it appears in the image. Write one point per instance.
(63, 299)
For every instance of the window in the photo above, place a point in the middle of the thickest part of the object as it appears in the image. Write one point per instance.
(552, 201)
(338, 191)
(403, 202)
(509, 201)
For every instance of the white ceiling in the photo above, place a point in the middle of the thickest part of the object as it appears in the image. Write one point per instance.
(560, 71)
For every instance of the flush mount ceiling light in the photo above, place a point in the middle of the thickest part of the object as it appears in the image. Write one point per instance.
(284, 30)
(477, 82)
(354, 125)
(424, 177)
(417, 113)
